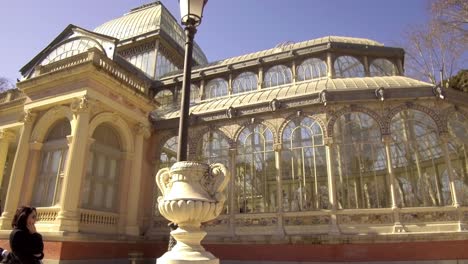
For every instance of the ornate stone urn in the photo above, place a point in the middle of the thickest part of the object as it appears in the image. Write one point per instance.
(192, 193)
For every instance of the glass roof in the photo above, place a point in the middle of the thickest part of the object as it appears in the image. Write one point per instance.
(146, 19)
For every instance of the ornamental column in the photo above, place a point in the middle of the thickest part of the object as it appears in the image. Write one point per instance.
(278, 147)
(445, 138)
(32, 171)
(17, 172)
(334, 229)
(134, 190)
(6, 136)
(398, 227)
(68, 218)
(233, 209)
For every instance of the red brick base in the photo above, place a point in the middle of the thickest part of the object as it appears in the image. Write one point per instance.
(438, 250)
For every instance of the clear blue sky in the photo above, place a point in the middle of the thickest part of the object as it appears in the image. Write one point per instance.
(229, 28)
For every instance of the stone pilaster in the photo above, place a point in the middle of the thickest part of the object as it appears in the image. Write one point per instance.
(6, 137)
(232, 192)
(17, 172)
(31, 171)
(69, 217)
(132, 227)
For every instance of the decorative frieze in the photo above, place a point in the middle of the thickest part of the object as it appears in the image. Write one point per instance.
(420, 217)
(307, 220)
(366, 219)
(260, 221)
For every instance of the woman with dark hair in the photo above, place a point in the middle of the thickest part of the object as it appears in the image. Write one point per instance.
(25, 243)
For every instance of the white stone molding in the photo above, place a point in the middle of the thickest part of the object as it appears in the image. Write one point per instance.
(117, 122)
(48, 119)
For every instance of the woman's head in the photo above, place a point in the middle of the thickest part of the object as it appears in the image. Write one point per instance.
(24, 215)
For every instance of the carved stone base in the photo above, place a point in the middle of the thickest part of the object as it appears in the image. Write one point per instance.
(188, 249)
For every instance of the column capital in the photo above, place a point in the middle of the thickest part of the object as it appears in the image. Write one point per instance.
(387, 139)
(277, 147)
(328, 141)
(232, 151)
(7, 135)
(80, 104)
(143, 129)
(28, 116)
(444, 136)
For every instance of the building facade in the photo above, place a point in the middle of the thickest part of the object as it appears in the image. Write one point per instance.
(334, 154)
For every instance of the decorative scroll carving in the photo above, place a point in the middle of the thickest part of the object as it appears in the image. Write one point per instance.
(366, 219)
(80, 104)
(261, 221)
(429, 217)
(307, 220)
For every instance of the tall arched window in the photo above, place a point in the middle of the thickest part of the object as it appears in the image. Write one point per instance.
(245, 82)
(215, 149)
(382, 67)
(70, 48)
(304, 176)
(101, 184)
(48, 185)
(361, 169)
(348, 67)
(216, 88)
(458, 148)
(165, 98)
(418, 160)
(255, 170)
(312, 68)
(167, 158)
(168, 153)
(277, 75)
(194, 94)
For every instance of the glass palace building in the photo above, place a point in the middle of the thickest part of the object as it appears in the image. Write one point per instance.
(334, 154)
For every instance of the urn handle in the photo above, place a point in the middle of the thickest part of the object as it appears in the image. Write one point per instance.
(220, 176)
(163, 180)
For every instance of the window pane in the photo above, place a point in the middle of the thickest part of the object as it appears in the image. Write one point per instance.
(311, 69)
(216, 88)
(348, 67)
(245, 82)
(277, 75)
(382, 67)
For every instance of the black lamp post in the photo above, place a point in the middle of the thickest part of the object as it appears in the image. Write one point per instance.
(191, 12)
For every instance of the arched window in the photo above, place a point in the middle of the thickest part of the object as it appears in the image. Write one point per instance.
(418, 160)
(245, 82)
(458, 148)
(348, 67)
(54, 152)
(101, 184)
(167, 158)
(216, 88)
(277, 75)
(311, 69)
(255, 170)
(304, 176)
(215, 149)
(68, 49)
(382, 67)
(360, 162)
(165, 98)
(194, 94)
(168, 153)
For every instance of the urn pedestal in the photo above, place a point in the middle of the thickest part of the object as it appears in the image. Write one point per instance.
(192, 193)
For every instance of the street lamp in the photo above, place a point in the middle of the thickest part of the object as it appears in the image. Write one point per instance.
(191, 13)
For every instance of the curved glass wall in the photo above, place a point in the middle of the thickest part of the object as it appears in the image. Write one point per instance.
(256, 185)
(418, 161)
(360, 162)
(245, 82)
(382, 67)
(101, 183)
(216, 88)
(163, 65)
(69, 49)
(142, 56)
(458, 149)
(348, 66)
(304, 175)
(277, 75)
(312, 68)
(48, 186)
